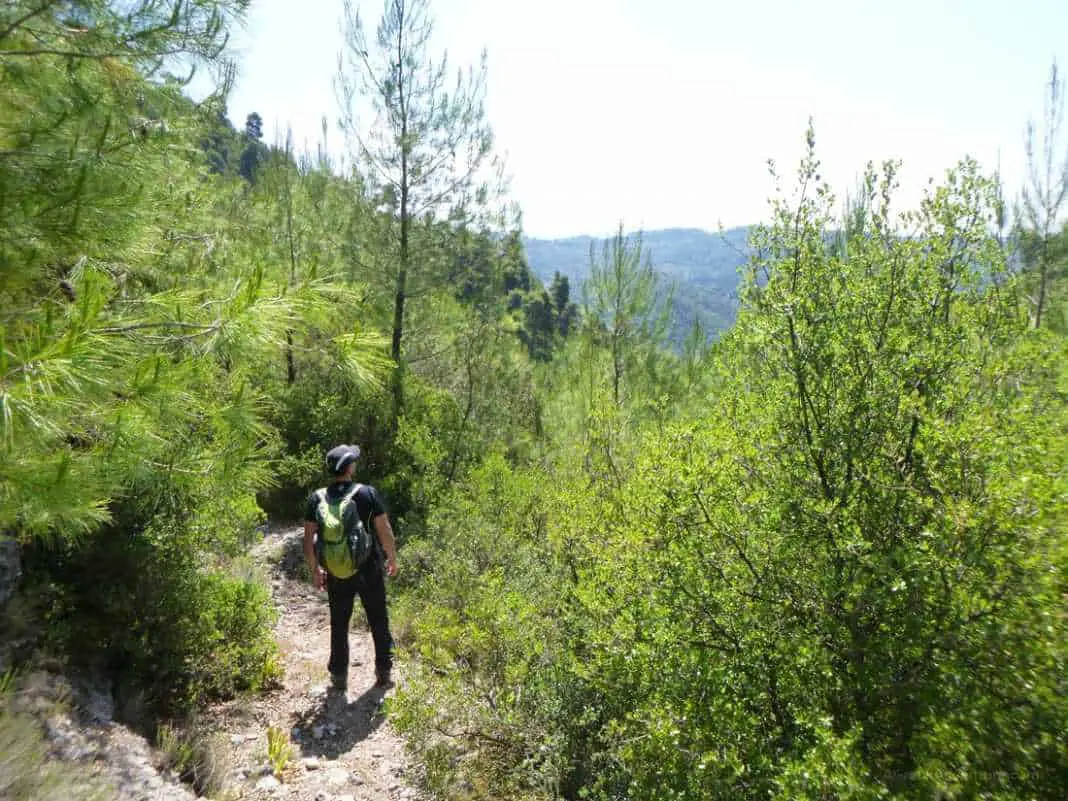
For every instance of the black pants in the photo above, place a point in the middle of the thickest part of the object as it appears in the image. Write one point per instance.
(370, 585)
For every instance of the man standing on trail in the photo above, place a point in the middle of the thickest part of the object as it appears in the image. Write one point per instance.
(341, 523)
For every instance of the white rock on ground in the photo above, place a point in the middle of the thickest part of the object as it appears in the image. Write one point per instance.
(268, 783)
(337, 776)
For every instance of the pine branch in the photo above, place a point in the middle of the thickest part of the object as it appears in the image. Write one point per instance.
(50, 51)
(14, 26)
(124, 329)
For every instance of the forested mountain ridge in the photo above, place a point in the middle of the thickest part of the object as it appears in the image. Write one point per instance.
(703, 265)
(820, 559)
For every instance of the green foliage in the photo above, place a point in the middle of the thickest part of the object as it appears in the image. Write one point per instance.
(839, 575)
(139, 331)
(703, 266)
(279, 750)
(426, 151)
(623, 310)
(482, 627)
(145, 33)
(424, 147)
(821, 559)
(147, 607)
(853, 527)
(198, 757)
(1041, 246)
(831, 768)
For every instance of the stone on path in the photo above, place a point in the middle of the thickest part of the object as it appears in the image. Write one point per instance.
(337, 776)
(268, 783)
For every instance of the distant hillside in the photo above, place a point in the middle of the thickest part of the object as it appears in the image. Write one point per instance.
(703, 266)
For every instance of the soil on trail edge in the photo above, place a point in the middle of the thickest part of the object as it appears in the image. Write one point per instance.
(343, 747)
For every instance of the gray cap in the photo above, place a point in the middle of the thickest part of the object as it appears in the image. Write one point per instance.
(339, 458)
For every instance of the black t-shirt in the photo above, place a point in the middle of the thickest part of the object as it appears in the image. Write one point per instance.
(369, 505)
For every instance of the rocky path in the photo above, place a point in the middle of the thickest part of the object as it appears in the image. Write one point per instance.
(343, 746)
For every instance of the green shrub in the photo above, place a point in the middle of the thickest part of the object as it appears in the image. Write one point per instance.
(147, 608)
(200, 758)
(843, 580)
(279, 751)
(480, 612)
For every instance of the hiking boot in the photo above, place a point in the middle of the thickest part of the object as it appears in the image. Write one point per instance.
(339, 682)
(383, 679)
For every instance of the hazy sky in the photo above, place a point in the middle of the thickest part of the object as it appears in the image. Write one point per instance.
(663, 113)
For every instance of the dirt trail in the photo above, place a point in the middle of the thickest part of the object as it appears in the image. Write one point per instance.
(343, 747)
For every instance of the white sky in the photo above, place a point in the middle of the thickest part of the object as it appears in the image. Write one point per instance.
(663, 113)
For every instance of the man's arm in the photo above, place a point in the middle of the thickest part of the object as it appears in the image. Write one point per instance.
(317, 573)
(384, 530)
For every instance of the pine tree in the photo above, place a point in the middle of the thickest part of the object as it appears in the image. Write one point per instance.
(622, 292)
(425, 149)
(566, 312)
(255, 152)
(1043, 196)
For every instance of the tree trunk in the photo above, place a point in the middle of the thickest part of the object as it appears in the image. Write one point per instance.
(1042, 272)
(402, 272)
(291, 367)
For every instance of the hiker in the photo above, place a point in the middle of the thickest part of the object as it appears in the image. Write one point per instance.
(346, 530)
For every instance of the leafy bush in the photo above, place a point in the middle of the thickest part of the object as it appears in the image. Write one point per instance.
(479, 616)
(842, 580)
(146, 606)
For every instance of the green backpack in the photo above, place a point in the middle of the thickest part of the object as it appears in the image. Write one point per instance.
(343, 544)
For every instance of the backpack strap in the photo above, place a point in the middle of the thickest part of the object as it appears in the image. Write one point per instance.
(320, 496)
(366, 523)
(351, 496)
(352, 493)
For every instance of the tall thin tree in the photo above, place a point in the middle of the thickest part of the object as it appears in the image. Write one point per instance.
(1044, 191)
(623, 294)
(425, 148)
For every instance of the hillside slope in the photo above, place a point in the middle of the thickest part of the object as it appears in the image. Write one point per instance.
(702, 265)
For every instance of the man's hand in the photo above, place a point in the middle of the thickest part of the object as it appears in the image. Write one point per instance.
(384, 530)
(318, 575)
